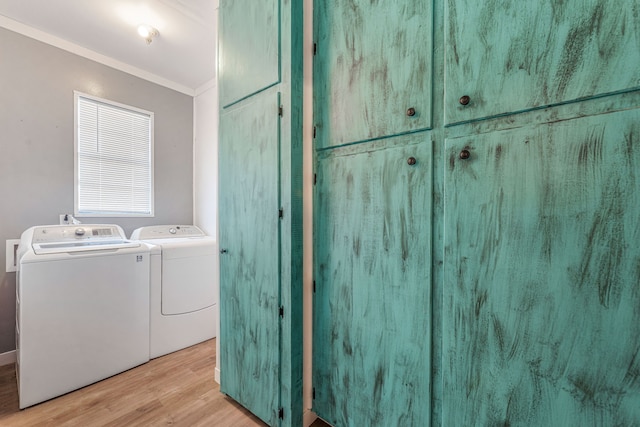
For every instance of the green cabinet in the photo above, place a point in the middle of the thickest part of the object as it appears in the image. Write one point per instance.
(260, 207)
(249, 48)
(510, 56)
(495, 280)
(249, 264)
(542, 271)
(371, 310)
(374, 63)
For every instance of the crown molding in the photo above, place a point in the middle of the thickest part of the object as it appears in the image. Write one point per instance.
(49, 39)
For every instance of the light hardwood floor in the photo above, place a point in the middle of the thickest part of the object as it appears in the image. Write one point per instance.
(177, 390)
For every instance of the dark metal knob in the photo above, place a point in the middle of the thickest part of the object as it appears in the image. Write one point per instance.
(465, 154)
(464, 100)
(411, 112)
(411, 161)
(223, 251)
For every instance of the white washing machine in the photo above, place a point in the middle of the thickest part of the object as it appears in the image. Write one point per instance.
(184, 286)
(82, 308)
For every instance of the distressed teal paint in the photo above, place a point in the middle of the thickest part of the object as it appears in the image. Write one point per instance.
(512, 56)
(371, 310)
(291, 242)
(250, 268)
(374, 63)
(249, 48)
(542, 275)
(260, 71)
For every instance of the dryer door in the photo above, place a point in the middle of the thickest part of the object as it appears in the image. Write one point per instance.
(188, 276)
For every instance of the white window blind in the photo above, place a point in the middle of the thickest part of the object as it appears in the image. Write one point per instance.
(114, 159)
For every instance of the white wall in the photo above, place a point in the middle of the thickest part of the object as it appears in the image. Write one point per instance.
(205, 179)
(205, 170)
(307, 222)
(205, 160)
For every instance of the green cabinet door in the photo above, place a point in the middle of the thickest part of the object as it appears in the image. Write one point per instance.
(249, 49)
(517, 55)
(372, 66)
(371, 310)
(249, 259)
(542, 275)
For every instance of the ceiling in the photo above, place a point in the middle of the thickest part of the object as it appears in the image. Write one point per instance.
(181, 57)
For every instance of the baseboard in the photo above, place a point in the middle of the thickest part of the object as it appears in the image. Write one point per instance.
(217, 375)
(7, 358)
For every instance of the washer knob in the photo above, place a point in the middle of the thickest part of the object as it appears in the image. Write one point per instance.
(173, 231)
(79, 231)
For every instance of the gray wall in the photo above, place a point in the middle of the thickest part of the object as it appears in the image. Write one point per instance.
(36, 145)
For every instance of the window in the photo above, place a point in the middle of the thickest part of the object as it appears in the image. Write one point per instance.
(113, 158)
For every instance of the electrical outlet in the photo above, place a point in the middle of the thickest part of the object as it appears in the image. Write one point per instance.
(12, 255)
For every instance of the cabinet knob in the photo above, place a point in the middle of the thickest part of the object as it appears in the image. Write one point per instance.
(465, 154)
(464, 99)
(223, 251)
(411, 161)
(411, 111)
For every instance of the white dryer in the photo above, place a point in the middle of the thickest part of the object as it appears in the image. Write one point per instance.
(184, 286)
(82, 308)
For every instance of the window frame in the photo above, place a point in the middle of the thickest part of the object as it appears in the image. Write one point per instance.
(76, 186)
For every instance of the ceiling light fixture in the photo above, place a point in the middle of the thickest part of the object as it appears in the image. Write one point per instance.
(147, 32)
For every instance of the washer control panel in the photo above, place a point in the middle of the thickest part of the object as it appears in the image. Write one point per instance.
(66, 233)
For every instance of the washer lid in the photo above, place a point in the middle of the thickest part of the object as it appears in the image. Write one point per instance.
(87, 245)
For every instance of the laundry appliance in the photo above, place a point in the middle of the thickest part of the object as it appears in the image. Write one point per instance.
(82, 308)
(184, 286)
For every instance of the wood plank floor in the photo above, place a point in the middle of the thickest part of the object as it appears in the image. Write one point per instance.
(177, 390)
